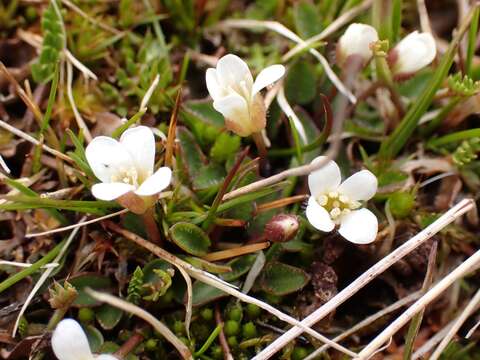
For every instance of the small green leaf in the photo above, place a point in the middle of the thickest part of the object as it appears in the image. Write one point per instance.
(203, 293)
(307, 19)
(89, 280)
(281, 279)
(95, 337)
(240, 266)
(225, 146)
(300, 85)
(190, 238)
(108, 316)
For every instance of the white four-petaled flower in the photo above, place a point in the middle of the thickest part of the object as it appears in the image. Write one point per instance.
(335, 203)
(412, 53)
(69, 342)
(125, 169)
(356, 40)
(237, 97)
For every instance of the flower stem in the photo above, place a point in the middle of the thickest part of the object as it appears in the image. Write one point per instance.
(262, 153)
(129, 346)
(151, 227)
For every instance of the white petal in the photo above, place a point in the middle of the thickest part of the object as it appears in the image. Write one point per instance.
(414, 52)
(140, 143)
(359, 226)
(231, 70)
(356, 40)
(318, 216)
(105, 357)
(325, 179)
(69, 341)
(267, 76)
(155, 183)
(213, 86)
(106, 157)
(235, 110)
(360, 186)
(111, 191)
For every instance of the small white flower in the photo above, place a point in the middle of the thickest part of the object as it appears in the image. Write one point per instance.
(356, 41)
(69, 342)
(237, 97)
(125, 169)
(336, 203)
(412, 54)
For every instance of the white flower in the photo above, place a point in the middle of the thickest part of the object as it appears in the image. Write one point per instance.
(413, 53)
(237, 97)
(69, 342)
(356, 41)
(336, 203)
(125, 169)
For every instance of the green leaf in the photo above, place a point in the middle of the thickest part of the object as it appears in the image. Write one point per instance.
(225, 146)
(281, 279)
(53, 43)
(95, 337)
(307, 19)
(301, 83)
(203, 293)
(89, 280)
(108, 316)
(240, 266)
(190, 238)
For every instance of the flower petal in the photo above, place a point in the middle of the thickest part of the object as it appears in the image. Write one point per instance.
(325, 179)
(140, 143)
(69, 341)
(235, 110)
(356, 41)
(155, 183)
(105, 357)
(318, 216)
(359, 226)
(213, 86)
(414, 52)
(267, 76)
(106, 157)
(231, 70)
(111, 191)
(360, 186)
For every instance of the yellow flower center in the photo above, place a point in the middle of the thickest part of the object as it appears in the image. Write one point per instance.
(337, 204)
(127, 176)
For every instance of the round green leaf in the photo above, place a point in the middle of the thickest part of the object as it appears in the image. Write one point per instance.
(108, 316)
(190, 238)
(301, 82)
(281, 279)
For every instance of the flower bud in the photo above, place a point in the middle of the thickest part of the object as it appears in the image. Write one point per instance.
(281, 228)
(412, 54)
(237, 96)
(61, 297)
(356, 41)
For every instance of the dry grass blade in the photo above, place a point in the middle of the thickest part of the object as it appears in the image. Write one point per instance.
(417, 319)
(215, 282)
(138, 311)
(456, 325)
(332, 28)
(466, 267)
(447, 218)
(81, 124)
(74, 226)
(238, 251)
(170, 145)
(369, 320)
(44, 277)
(34, 141)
